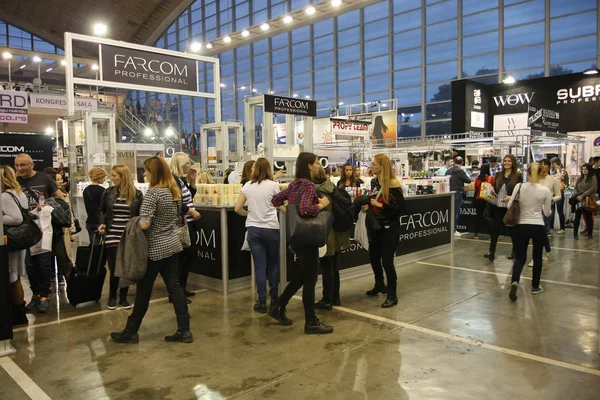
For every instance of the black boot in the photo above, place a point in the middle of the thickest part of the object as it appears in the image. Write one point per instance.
(183, 334)
(390, 301)
(19, 317)
(316, 327)
(279, 313)
(273, 302)
(512, 256)
(323, 305)
(378, 288)
(489, 255)
(129, 334)
(188, 293)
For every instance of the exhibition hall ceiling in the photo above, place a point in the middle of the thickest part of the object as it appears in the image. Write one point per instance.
(131, 20)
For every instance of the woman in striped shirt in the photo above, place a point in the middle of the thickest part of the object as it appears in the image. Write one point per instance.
(117, 206)
(183, 173)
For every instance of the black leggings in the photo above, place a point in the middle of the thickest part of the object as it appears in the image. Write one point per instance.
(111, 257)
(522, 234)
(331, 278)
(588, 217)
(305, 276)
(498, 214)
(480, 209)
(382, 248)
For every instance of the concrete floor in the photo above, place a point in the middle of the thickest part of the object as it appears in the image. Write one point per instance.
(454, 335)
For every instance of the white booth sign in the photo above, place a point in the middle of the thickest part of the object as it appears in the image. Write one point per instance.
(61, 102)
(508, 126)
(345, 128)
(13, 107)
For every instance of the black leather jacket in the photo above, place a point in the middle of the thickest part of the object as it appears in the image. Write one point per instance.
(108, 200)
(390, 214)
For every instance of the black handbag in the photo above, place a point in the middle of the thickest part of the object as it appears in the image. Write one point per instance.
(308, 231)
(23, 236)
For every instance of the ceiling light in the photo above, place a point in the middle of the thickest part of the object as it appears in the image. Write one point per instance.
(208, 45)
(49, 69)
(336, 3)
(265, 27)
(148, 132)
(287, 19)
(509, 79)
(63, 62)
(384, 105)
(295, 95)
(591, 71)
(22, 66)
(37, 59)
(341, 103)
(254, 90)
(223, 85)
(95, 67)
(245, 33)
(6, 55)
(100, 29)
(169, 132)
(49, 131)
(271, 92)
(195, 46)
(243, 87)
(310, 10)
(307, 97)
(227, 39)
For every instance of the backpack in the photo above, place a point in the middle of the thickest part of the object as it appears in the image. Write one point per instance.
(61, 213)
(343, 212)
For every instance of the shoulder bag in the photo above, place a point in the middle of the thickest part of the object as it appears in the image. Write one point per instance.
(308, 231)
(182, 231)
(590, 203)
(23, 236)
(511, 218)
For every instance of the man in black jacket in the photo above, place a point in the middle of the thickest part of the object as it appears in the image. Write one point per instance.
(458, 178)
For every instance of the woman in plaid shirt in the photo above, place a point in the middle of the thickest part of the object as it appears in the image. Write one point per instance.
(302, 193)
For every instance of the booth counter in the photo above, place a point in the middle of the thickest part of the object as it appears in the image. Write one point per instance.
(220, 264)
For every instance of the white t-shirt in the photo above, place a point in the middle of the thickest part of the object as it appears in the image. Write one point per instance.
(261, 211)
(533, 200)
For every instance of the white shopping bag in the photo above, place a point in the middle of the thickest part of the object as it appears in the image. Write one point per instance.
(360, 230)
(45, 223)
(322, 251)
(246, 246)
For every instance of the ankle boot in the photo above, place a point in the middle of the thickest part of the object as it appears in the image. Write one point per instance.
(129, 334)
(390, 301)
(273, 302)
(378, 288)
(183, 334)
(19, 317)
(280, 315)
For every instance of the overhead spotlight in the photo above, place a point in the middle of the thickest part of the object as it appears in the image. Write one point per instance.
(22, 66)
(227, 39)
(591, 71)
(384, 105)
(295, 95)
(208, 45)
(169, 132)
(341, 103)
(49, 69)
(404, 115)
(49, 131)
(336, 3)
(243, 87)
(223, 85)
(100, 29)
(148, 132)
(37, 59)
(245, 33)
(271, 92)
(310, 10)
(63, 62)
(195, 46)
(265, 27)
(509, 79)
(287, 19)
(6, 55)
(254, 90)
(95, 67)
(307, 97)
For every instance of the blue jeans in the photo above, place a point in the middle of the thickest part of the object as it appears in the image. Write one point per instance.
(264, 245)
(39, 272)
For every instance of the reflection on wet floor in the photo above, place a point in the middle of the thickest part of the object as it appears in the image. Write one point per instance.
(238, 353)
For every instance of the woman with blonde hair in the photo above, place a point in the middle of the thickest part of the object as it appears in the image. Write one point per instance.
(387, 203)
(204, 177)
(13, 200)
(161, 213)
(534, 203)
(118, 205)
(92, 195)
(180, 165)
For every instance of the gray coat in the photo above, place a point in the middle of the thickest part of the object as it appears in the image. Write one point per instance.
(132, 254)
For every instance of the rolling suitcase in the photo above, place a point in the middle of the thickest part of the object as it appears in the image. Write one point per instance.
(87, 278)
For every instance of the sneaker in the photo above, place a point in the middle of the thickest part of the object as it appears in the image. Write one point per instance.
(322, 305)
(261, 307)
(43, 305)
(457, 234)
(560, 232)
(125, 337)
(537, 290)
(513, 291)
(125, 304)
(180, 337)
(112, 304)
(317, 328)
(547, 256)
(34, 303)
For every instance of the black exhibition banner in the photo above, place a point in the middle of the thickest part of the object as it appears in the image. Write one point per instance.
(289, 105)
(207, 244)
(239, 261)
(425, 224)
(138, 67)
(354, 256)
(39, 147)
(468, 217)
(542, 119)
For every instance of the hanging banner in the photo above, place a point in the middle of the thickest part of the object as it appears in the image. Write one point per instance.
(138, 67)
(508, 126)
(542, 119)
(13, 107)
(39, 147)
(321, 131)
(127, 158)
(60, 102)
(345, 129)
(290, 105)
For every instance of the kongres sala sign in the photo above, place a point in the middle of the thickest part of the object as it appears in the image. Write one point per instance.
(146, 68)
